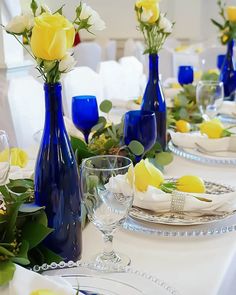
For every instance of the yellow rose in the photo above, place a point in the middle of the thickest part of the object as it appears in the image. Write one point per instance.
(190, 184)
(150, 11)
(52, 36)
(231, 12)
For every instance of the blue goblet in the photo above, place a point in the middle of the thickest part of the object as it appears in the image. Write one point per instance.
(84, 113)
(185, 75)
(140, 126)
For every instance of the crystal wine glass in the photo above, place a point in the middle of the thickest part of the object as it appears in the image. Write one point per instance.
(4, 157)
(84, 113)
(209, 95)
(140, 126)
(107, 189)
(185, 75)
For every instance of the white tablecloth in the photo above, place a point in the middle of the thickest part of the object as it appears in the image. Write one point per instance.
(194, 266)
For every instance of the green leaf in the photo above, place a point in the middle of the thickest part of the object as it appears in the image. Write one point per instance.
(29, 233)
(60, 10)
(77, 142)
(98, 127)
(34, 7)
(221, 27)
(11, 221)
(226, 133)
(110, 143)
(22, 256)
(105, 106)
(41, 218)
(164, 158)
(136, 147)
(7, 269)
(29, 208)
(6, 252)
(48, 255)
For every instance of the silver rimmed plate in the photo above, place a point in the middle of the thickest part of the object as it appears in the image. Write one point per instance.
(90, 282)
(194, 155)
(174, 218)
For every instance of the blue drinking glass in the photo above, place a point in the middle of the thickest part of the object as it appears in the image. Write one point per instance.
(84, 113)
(141, 126)
(185, 75)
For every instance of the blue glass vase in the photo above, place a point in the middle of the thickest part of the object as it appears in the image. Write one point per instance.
(57, 180)
(228, 74)
(154, 100)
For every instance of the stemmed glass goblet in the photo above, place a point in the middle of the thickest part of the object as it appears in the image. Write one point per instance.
(209, 95)
(4, 157)
(140, 126)
(84, 113)
(107, 190)
(185, 75)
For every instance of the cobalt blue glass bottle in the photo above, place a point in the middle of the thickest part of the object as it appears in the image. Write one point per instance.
(228, 74)
(57, 180)
(154, 100)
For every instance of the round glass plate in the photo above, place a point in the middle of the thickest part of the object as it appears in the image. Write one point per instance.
(194, 155)
(174, 218)
(90, 282)
(227, 119)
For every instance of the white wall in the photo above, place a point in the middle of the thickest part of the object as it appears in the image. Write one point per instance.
(192, 17)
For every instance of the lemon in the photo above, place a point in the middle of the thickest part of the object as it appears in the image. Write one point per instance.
(190, 184)
(146, 174)
(213, 128)
(156, 176)
(182, 126)
(43, 292)
(141, 176)
(18, 157)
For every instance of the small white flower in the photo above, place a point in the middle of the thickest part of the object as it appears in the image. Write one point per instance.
(95, 21)
(165, 24)
(67, 63)
(20, 23)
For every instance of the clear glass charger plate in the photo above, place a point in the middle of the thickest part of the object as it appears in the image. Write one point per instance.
(90, 282)
(194, 155)
(227, 119)
(180, 224)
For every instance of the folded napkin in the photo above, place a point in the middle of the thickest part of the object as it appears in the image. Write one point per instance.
(24, 282)
(156, 200)
(189, 140)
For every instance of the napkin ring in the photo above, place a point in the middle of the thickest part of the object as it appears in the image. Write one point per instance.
(177, 202)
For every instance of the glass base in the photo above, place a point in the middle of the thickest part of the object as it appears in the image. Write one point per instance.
(109, 262)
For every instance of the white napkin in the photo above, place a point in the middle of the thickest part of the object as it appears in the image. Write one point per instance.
(159, 201)
(24, 282)
(189, 140)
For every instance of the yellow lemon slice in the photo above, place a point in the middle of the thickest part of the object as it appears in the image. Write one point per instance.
(190, 184)
(213, 128)
(142, 176)
(182, 126)
(156, 176)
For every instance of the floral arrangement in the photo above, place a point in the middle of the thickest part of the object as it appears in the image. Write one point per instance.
(228, 27)
(154, 26)
(51, 36)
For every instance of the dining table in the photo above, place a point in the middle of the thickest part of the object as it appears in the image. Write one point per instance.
(192, 264)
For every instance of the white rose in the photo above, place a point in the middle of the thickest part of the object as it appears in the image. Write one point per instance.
(95, 21)
(20, 23)
(67, 63)
(165, 24)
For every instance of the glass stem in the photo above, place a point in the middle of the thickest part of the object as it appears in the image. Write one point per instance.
(108, 245)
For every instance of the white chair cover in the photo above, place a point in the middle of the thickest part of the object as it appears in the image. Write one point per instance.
(81, 81)
(88, 54)
(113, 80)
(134, 76)
(22, 110)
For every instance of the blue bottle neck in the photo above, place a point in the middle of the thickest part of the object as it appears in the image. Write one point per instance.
(153, 67)
(53, 105)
